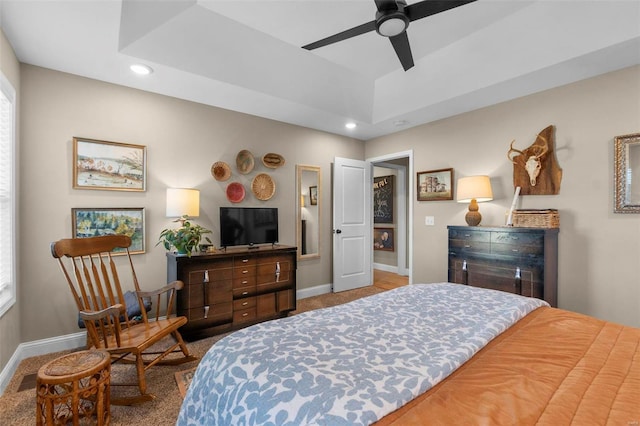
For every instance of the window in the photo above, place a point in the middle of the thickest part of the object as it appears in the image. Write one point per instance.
(7, 195)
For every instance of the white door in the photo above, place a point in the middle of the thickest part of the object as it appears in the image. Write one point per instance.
(352, 211)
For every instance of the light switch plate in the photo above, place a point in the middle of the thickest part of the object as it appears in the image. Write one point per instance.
(429, 220)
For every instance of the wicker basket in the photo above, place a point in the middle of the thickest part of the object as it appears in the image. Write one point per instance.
(548, 218)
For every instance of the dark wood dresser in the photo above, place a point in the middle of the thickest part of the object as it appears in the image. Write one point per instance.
(517, 260)
(232, 289)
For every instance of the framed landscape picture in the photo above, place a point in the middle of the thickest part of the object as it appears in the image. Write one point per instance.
(109, 165)
(91, 222)
(435, 185)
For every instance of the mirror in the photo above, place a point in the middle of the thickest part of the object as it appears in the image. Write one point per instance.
(309, 187)
(627, 174)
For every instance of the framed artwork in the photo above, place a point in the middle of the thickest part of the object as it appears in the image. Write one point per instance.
(313, 195)
(109, 165)
(383, 239)
(90, 222)
(435, 185)
(383, 199)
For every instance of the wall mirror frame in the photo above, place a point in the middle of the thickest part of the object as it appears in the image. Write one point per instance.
(627, 173)
(309, 208)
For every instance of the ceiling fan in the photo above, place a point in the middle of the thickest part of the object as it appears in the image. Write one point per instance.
(392, 19)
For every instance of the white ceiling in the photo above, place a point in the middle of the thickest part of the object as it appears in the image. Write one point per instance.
(246, 56)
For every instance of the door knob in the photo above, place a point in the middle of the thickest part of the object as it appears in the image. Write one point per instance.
(338, 231)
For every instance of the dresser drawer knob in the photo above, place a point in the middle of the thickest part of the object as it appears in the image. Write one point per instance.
(205, 279)
(245, 260)
(245, 303)
(245, 314)
(245, 272)
(245, 282)
(244, 293)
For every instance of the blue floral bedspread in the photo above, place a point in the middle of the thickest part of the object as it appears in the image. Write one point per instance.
(351, 364)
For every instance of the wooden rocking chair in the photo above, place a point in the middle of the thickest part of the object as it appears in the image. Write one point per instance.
(92, 275)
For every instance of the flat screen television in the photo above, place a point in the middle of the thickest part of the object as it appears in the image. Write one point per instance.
(249, 226)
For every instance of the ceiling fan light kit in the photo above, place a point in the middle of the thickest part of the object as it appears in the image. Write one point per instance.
(391, 24)
(392, 20)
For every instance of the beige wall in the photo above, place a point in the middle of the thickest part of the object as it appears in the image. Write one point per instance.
(599, 251)
(10, 321)
(183, 140)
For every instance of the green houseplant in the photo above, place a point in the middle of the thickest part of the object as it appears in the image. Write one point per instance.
(185, 238)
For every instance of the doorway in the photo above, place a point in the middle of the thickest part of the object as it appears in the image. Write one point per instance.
(400, 261)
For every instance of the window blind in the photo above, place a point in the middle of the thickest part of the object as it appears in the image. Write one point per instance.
(7, 195)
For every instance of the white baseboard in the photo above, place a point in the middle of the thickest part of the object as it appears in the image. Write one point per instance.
(39, 347)
(77, 340)
(313, 291)
(386, 268)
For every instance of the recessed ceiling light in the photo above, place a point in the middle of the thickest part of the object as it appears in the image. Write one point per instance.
(400, 123)
(141, 69)
(350, 125)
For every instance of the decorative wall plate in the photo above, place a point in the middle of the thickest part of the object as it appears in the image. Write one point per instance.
(220, 171)
(235, 192)
(245, 161)
(273, 160)
(263, 186)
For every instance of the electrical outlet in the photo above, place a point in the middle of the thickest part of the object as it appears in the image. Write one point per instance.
(429, 220)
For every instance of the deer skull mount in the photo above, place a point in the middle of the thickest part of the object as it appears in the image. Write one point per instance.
(535, 169)
(534, 162)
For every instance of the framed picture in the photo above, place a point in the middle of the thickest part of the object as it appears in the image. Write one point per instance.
(383, 239)
(313, 195)
(435, 185)
(89, 222)
(383, 199)
(109, 165)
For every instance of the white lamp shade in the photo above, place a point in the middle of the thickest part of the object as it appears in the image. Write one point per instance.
(478, 187)
(183, 201)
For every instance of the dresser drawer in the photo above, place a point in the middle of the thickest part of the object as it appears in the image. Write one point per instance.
(459, 247)
(470, 235)
(217, 313)
(244, 271)
(209, 275)
(192, 296)
(244, 315)
(240, 261)
(247, 302)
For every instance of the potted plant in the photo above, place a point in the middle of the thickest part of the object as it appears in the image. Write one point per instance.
(185, 238)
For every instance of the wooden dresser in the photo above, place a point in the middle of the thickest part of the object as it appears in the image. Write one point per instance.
(517, 260)
(232, 289)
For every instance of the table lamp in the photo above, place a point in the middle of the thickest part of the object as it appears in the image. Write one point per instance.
(473, 190)
(183, 202)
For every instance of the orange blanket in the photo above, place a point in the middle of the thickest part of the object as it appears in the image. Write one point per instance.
(553, 367)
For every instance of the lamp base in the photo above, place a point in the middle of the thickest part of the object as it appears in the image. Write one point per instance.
(473, 216)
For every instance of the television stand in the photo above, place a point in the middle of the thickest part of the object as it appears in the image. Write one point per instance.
(239, 286)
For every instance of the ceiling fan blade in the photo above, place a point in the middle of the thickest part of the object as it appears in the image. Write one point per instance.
(431, 7)
(386, 5)
(352, 32)
(403, 50)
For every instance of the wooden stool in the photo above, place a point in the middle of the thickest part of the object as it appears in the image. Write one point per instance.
(74, 387)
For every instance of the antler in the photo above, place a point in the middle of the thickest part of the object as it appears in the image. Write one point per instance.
(512, 149)
(544, 147)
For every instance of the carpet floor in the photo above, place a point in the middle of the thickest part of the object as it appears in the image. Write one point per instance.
(18, 403)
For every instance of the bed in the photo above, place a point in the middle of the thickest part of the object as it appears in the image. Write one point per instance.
(425, 353)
